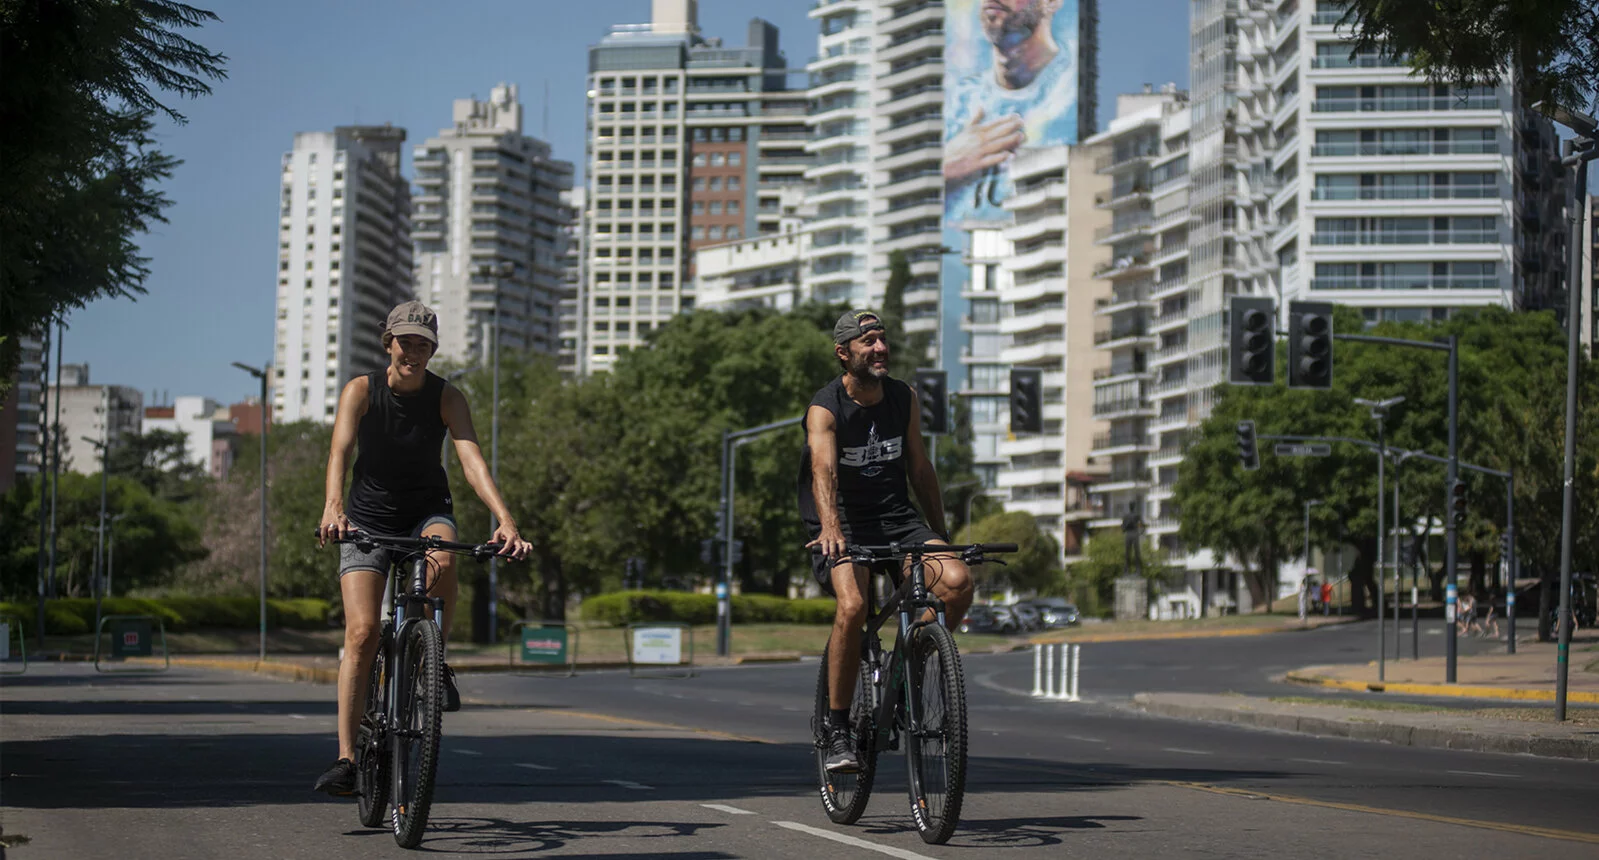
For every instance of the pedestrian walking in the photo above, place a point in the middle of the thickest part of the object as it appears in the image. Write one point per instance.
(1326, 597)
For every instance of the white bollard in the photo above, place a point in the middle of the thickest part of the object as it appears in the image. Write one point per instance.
(1038, 670)
(1077, 651)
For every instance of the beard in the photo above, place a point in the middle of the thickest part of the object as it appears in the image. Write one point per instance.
(860, 367)
(1009, 29)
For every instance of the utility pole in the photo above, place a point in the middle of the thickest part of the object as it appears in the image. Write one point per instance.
(731, 440)
(1379, 410)
(44, 465)
(495, 273)
(261, 374)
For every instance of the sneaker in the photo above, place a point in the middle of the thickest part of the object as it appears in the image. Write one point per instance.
(452, 696)
(339, 780)
(841, 757)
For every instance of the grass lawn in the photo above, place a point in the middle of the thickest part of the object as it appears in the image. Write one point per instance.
(1577, 716)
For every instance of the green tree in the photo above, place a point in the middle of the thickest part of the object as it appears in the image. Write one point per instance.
(1035, 566)
(911, 349)
(158, 461)
(1551, 47)
(78, 167)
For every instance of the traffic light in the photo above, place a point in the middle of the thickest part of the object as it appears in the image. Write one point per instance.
(708, 551)
(738, 551)
(1252, 333)
(1504, 545)
(1457, 502)
(1247, 451)
(1310, 331)
(932, 392)
(1026, 400)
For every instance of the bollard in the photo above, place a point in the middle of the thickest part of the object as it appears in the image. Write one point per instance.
(1038, 670)
(1055, 672)
(1077, 650)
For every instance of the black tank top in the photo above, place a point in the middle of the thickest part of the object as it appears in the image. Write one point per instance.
(399, 478)
(871, 458)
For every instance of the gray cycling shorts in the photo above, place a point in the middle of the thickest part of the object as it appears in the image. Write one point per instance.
(379, 559)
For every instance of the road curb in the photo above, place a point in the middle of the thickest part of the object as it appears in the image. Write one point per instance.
(1464, 691)
(1363, 728)
(1182, 634)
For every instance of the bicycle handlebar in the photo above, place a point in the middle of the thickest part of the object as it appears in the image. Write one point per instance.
(478, 551)
(971, 552)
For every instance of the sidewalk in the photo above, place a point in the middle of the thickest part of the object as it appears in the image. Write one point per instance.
(1528, 675)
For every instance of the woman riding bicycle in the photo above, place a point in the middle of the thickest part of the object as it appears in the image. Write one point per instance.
(398, 417)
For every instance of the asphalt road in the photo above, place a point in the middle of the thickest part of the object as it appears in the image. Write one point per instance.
(201, 764)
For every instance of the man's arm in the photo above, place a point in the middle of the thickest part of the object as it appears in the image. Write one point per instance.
(822, 437)
(924, 479)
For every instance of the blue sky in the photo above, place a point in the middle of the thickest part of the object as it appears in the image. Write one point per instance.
(298, 65)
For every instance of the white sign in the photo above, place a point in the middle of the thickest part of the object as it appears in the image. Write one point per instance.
(5, 641)
(658, 645)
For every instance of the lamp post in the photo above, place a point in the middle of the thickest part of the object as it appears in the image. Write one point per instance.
(261, 374)
(111, 553)
(104, 447)
(1308, 505)
(1379, 410)
(494, 272)
(1578, 152)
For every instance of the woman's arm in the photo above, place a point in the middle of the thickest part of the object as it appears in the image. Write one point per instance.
(352, 406)
(458, 418)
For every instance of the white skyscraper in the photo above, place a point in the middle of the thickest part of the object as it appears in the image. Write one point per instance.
(489, 194)
(344, 261)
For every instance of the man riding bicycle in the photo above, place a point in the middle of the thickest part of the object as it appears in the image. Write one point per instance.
(863, 440)
(399, 416)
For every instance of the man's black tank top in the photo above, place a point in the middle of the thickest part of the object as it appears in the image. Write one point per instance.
(399, 478)
(871, 458)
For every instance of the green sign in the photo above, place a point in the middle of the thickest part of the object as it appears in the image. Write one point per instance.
(544, 645)
(132, 637)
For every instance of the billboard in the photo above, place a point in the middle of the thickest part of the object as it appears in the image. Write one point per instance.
(1010, 83)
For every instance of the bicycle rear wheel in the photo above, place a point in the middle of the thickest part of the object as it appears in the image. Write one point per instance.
(416, 739)
(936, 754)
(844, 795)
(372, 757)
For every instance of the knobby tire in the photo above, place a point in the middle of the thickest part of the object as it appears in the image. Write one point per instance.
(416, 748)
(844, 795)
(936, 759)
(372, 757)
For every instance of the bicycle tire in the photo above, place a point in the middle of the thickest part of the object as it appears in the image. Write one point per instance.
(845, 795)
(936, 758)
(372, 757)
(420, 707)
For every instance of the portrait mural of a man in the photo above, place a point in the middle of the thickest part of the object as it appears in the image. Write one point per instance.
(1010, 82)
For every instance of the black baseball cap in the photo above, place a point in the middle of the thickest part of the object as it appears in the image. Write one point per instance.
(855, 323)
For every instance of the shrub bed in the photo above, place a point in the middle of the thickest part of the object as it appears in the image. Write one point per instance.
(628, 607)
(74, 616)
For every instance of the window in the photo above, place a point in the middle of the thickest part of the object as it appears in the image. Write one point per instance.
(735, 134)
(696, 232)
(716, 206)
(732, 183)
(734, 233)
(716, 183)
(699, 183)
(717, 159)
(697, 207)
(700, 159)
(715, 233)
(732, 207)
(734, 159)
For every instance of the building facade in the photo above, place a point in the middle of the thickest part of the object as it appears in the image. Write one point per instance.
(91, 413)
(489, 194)
(209, 431)
(675, 126)
(344, 261)
(574, 268)
(22, 422)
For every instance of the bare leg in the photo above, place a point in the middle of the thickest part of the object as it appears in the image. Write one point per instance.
(951, 580)
(363, 611)
(844, 645)
(441, 574)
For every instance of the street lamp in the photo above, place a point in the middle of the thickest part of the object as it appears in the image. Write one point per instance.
(261, 374)
(104, 447)
(1379, 410)
(1579, 151)
(494, 272)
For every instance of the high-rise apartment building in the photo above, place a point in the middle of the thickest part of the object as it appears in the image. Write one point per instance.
(839, 178)
(574, 264)
(98, 412)
(344, 261)
(21, 423)
(489, 194)
(675, 128)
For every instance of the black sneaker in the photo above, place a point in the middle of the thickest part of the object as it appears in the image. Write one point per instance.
(452, 696)
(841, 757)
(339, 780)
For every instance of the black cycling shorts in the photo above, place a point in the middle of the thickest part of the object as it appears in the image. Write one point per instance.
(907, 531)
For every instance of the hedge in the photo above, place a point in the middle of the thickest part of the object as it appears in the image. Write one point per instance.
(626, 607)
(71, 616)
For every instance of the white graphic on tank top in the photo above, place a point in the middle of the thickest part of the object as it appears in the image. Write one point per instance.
(874, 451)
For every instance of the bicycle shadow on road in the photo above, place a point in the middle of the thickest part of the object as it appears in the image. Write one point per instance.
(498, 836)
(1032, 832)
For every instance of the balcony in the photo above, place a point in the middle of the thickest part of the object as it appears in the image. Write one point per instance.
(1405, 237)
(1423, 192)
(1420, 103)
(1115, 160)
(1392, 282)
(1123, 266)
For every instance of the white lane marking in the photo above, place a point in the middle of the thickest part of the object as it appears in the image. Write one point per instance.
(1186, 752)
(635, 786)
(297, 716)
(532, 766)
(851, 840)
(1081, 738)
(746, 704)
(1317, 761)
(732, 810)
(468, 752)
(1484, 773)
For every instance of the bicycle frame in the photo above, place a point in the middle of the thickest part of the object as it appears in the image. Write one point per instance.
(909, 602)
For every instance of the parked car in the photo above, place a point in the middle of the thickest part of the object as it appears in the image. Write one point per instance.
(1007, 619)
(983, 619)
(1027, 615)
(1057, 611)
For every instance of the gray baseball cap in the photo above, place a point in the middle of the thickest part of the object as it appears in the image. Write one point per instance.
(413, 317)
(855, 323)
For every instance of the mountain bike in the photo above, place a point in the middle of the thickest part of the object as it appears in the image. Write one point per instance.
(925, 705)
(397, 743)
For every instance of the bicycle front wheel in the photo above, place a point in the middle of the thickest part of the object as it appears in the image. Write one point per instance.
(844, 795)
(936, 749)
(416, 738)
(372, 756)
